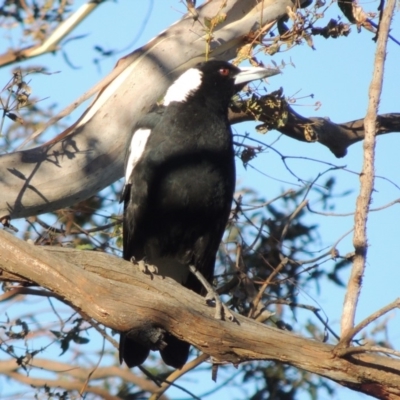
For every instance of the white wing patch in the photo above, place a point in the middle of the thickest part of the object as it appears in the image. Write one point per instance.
(188, 82)
(136, 149)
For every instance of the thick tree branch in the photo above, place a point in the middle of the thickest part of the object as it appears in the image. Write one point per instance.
(122, 298)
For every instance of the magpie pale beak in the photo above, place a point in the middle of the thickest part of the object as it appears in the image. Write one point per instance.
(248, 74)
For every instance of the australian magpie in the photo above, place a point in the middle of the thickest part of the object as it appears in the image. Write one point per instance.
(179, 184)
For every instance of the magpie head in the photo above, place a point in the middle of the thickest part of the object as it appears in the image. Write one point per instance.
(214, 81)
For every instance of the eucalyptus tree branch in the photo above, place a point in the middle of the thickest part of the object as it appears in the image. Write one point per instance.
(162, 303)
(50, 44)
(273, 112)
(367, 178)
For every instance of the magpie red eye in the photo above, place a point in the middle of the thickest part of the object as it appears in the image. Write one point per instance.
(224, 72)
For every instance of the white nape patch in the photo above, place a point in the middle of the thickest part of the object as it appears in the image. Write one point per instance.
(188, 82)
(136, 149)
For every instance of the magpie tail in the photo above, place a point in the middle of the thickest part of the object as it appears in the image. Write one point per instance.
(175, 354)
(133, 353)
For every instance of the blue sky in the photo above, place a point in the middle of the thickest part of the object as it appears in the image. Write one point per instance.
(338, 75)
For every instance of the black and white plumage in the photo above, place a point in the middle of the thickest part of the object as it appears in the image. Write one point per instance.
(180, 179)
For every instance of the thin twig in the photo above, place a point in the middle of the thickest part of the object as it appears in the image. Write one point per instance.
(329, 252)
(255, 302)
(291, 218)
(78, 231)
(85, 385)
(313, 309)
(326, 214)
(100, 330)
(366, 180)
(62, 324)
(178, 373)
(289, 192)
(365, 349)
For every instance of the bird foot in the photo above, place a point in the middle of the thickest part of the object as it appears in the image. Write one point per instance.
(222, 312)
(147, 269)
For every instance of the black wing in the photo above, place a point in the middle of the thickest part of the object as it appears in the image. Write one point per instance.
(135, 207)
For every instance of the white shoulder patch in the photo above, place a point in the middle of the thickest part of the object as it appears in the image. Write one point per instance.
(136, 149)
(183, 86)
